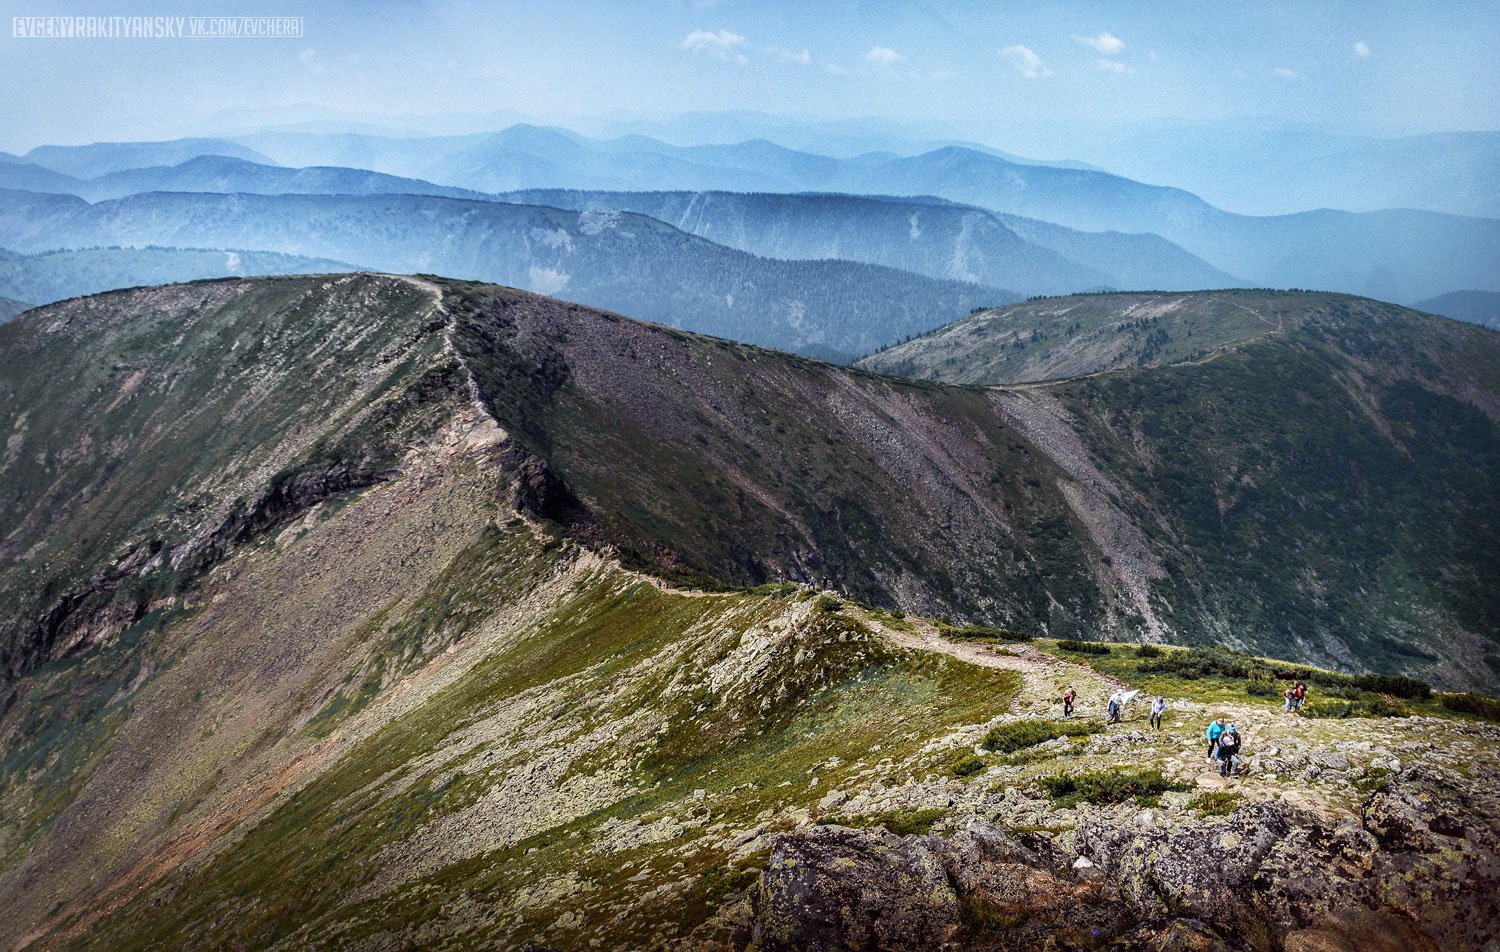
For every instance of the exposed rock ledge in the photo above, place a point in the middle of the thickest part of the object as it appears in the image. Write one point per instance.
(1419, 872)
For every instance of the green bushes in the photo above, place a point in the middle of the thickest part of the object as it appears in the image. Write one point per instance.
(1396, 685)
(827, 604)
(966, 767)
(1354, 704)
(982, 633)
(1106, 787)
(908, 822)
(1018, 735)
(1215, 803)
(1203, 661)
(1485, 707)
(1148, 651)
(1082, 647)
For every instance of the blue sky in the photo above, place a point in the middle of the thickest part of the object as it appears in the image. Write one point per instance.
(1381, 67)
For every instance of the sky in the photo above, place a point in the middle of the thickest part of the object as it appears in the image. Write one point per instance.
(981, 68)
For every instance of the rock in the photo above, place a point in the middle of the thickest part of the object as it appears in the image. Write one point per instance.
(1187, 935)
(1331, 760)
(831, 887)
(1083, 862)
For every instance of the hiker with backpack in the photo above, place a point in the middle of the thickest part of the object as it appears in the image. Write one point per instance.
(1229, 747)
(1299, 694)
(1116, 708)
(1214, 732)
(1069, 696)
(1289, 695)
(1158, 708)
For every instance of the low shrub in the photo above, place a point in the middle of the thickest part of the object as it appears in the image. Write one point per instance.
(1082, 647)
(1148, 651)
(1108, 787)
(967, 767)
(909, 822)
(1354, 704)
(1018, 735)
(982, 633)
(1396, 685)
(1202, 661)
(827, 603)
(1263, 689)
(1477, 704)
(1215, 803)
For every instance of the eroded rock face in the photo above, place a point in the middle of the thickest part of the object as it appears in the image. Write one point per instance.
(836, 888)
(1420, 871)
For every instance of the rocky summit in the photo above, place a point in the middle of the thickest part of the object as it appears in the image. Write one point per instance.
(379, 612)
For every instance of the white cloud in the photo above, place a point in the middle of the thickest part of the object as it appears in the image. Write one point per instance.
(800, 57)
(836, 70)
(1105, 43)
(883, 56)
(309, 59)
(1113, 66)
(1028, 63)
(719, 43)
(1362, 49)
(1281, 72)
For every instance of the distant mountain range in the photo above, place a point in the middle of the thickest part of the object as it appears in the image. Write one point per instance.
(950, 241)
(836, 310)
(1396, 255)
(932, 237)
(102, 158)
(10, 308)
(54, 275)
(1402, 255)
(221, 174)
(1476, 307)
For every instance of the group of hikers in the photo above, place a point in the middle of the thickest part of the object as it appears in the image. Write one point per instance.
(1117, 702)
(1224, 740)
(1224, 744)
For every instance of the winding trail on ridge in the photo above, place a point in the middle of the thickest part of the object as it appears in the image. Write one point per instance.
(1043, 677)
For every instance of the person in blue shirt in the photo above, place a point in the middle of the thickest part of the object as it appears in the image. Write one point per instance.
(1215, 731)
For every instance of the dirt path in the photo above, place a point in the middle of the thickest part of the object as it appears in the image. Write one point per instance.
(1278, 324)
(1043, 677)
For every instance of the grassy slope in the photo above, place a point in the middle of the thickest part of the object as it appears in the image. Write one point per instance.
(1321, 488)
(717, 459)
(148, 429)
(1053, 338)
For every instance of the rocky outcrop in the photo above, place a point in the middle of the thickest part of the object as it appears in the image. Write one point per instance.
(1421, 871)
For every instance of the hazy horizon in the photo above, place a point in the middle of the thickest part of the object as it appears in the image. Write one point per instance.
(1032, 81)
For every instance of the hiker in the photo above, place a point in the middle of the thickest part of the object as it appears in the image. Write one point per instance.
(1069, 696)
(1158, 708)
(1290, 695)
(1116, 705)
(1215, 731)
(1229, 746)
(1299, 694)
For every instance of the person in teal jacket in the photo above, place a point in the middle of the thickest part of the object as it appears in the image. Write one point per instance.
(1215, 730)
